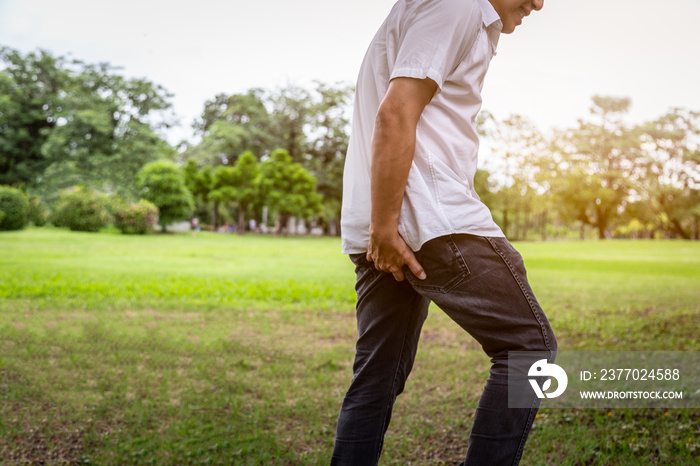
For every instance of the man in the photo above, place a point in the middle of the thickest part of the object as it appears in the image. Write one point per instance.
(416, 230)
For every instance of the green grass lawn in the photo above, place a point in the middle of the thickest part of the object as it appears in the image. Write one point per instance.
(220, 349)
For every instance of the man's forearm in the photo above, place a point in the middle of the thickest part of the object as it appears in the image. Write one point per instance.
(393, 146)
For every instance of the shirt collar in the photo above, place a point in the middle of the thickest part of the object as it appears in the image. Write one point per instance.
(488, 13)
(492, 23)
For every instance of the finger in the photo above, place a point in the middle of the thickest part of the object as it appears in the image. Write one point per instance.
(368, 256)
(415, 267)
(398, 275)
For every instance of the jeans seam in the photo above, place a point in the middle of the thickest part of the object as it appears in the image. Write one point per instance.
(524, 291)
(457, 253)
(523, 439)
(392, 397)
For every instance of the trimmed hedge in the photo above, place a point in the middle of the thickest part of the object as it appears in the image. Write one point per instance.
(14, 209)
(81, 209)
(136, 219)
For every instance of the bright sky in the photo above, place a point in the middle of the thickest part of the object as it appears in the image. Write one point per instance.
(547, 70)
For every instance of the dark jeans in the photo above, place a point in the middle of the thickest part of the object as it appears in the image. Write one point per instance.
(480, 283)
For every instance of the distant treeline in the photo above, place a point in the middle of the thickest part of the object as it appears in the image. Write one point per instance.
(65, 123)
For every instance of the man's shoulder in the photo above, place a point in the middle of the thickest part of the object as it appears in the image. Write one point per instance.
(453, 20)
(458, 19)
(457, 9)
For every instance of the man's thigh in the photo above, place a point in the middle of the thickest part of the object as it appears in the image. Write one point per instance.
(390, 316)
(481, 283)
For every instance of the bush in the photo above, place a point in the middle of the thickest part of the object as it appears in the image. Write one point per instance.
(81, 209)
(14, 208)
(38, 213)
(136, 219)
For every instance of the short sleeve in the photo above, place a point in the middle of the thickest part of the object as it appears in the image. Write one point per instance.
(435, 38)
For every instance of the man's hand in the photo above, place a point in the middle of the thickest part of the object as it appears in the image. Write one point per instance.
(390, 253)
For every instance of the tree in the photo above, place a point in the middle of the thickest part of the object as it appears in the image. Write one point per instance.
(639, 221)
(517, 145)
(106, 136)
(292, 115)
(223, 190)
(287, 188)
(311, 125)
(199, 182)
(31, 104)
(163, 184)
(328, 145)
(246, 179)
(231, 125)
(65, 122)
(669, 177)
(593, 164)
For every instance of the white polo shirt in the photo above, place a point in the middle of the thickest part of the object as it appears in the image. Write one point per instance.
(452, 43)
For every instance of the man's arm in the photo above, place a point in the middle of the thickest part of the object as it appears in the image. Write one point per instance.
(393, 146)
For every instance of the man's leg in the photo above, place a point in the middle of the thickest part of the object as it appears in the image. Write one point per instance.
(390, 316)
(482, 285)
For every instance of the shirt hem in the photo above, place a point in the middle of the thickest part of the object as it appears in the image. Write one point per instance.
(363, 249)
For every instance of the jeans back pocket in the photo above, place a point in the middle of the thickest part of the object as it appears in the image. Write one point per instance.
(443, 263)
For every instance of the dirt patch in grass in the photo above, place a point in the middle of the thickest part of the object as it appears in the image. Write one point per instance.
(33, 447)
(34, 429)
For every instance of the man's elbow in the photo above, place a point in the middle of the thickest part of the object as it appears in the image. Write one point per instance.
(390, 119)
